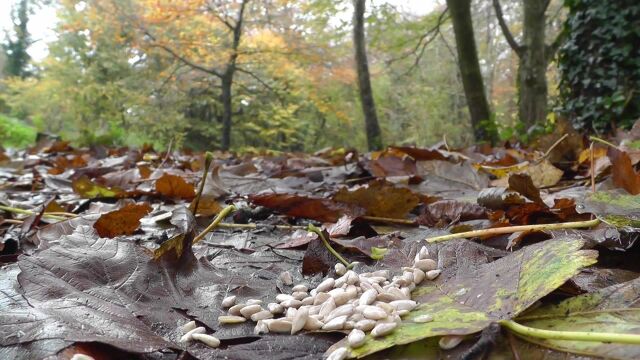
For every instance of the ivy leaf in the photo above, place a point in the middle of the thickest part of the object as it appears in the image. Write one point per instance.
(467, 303)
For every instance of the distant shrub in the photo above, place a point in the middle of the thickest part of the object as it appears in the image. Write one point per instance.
(15, 134)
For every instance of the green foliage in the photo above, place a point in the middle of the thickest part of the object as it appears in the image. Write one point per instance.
(600, 64)
(15, 134)
(15, 47)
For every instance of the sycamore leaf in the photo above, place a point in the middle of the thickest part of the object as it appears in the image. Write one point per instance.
(502, 289)
(615, 208)
(608, 310)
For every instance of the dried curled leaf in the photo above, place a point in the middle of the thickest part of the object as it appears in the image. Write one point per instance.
(124, 221)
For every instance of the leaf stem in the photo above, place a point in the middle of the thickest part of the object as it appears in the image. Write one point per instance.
(316, 230)
(513, 229)
(571, 335)
(29, 212)
(257, 226)
(389, 220)
(594, 138)
(208, 158)
(218, 219)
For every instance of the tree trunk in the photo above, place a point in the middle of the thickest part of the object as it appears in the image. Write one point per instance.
(472, 82)
(227, 111)
(374, 137)
(532, 80)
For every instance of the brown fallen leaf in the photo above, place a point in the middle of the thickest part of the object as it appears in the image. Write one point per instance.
(391, 163)
(523, 184)
(325, 210)
(88, 189)
(124, 221)
(543, 174)
(380, 198)
(623, 174)
(175, 187)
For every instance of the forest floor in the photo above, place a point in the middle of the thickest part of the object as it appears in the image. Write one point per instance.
(112, 253)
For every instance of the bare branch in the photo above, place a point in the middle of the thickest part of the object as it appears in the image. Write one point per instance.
(505, 29)
(186, 61)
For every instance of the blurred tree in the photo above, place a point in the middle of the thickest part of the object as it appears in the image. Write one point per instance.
(16, 45)
(372, 128)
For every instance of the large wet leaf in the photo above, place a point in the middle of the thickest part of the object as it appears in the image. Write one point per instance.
(502, 289)
(616, 208)
(612, 310)
(380, 198)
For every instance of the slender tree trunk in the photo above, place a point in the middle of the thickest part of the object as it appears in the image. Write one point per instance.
(472, 82)
(374, 136)
(227, 111)
(532, 79)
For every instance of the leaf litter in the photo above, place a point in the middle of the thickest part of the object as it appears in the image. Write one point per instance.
(83, 270)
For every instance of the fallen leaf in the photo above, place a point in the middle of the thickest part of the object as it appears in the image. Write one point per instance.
(446, 212)
(523, 184)
(88, 189)
(294, 205)
(543, 174)
(615, 208)
(499, 198)
(623, 174)
(380, 198)
(391, 163)
(124, 221)
(174, 186)
(498, 290)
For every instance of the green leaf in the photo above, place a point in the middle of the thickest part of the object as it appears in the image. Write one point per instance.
(616, 208)
(378, 253)
(466, 303)
(606, 310)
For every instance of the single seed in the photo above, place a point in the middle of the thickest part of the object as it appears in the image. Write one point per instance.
(404, 304)
(254, 302)
(383, 273)
(229, 301)
(424, 252)
(335, 324)
(275, 308)
(388, 297)
(339, 296)
(340, 269)
(189, 336)
(382, 329)
(299, 295)
(356, 338)
(261, 328)
(423, 318)
(326, 285)
(348, 325)
(374, 313)
(426, 264)
(407, 292)
(365, 285)
(399, 293)
(327, 307)
(320, 298)
(210, 341)
(402, 313)
(432, 274)
(308, 300)
(344, 310)
(299, 320)
(377, 279)
(378, 288)
(368, 297)
(314, 309)
(286, 278)
(291, 312)
(279, 326)
(450, 341)
(231, 319)
(313, 292)
(351, 291)
(338, 354)
(365, 325)
(249, 310)
(283, 297)
(313, 323)
(356, 317)
(235, 309)
(385, 306)
(352, 277)
(188, 326)
(300, 288)
(261, 315)
(81, 357)
(291, 303)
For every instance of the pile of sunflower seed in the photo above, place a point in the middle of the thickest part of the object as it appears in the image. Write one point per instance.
(371, 302)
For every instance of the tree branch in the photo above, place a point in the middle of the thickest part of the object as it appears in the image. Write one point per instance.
(505, 29)
(186, 61)
(555, 45)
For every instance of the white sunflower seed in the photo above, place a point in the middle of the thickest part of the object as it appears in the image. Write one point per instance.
(188, 326)
(320, 298)
(382, 329)
(261, 328)
(291, 303)
(254, 302)
(423, 318)
(300, 288)
(340, 269)
(279, 326)
(189, 336)
(426, 264)
(231, 319)
(424, 252)
(308, 300)
(286, 278)
(326, 285)
(356, 338)
(275, 308)
(210, 341)
(249, 310)
(299, 320)
(450, 341)
(313, 323)
(261, 315)
(81, 357)
(374, 313)
(404, 304)
(368, 297)
(229, 301)
(346, 309)
(338, 354)
(235, 309)
(299, 295)
(335, 324)
(283, 297)
(432, 274)
(327, 307)
(365, 325)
